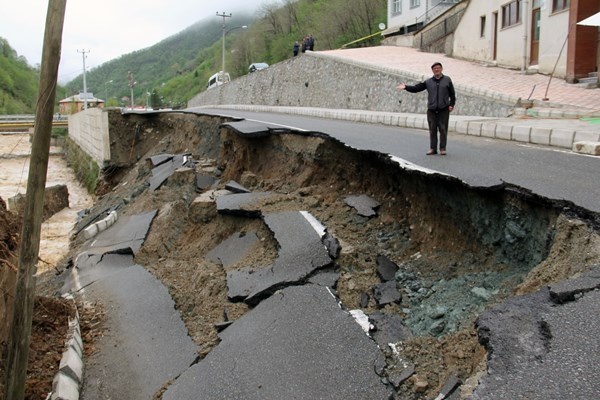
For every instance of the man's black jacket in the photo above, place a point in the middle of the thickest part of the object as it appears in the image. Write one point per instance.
(440, 92)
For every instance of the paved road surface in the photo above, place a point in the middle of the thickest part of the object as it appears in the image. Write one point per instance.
(546, 171)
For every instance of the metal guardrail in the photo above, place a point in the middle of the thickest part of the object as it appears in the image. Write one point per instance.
(23, 122)
(29, 118)
(440, 30)
(17, 117)
(436, 10)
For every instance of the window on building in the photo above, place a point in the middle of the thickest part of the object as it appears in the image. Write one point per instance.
(415, 3)
(397, 7)
(559, 5)
(511, 13)
(482, 26)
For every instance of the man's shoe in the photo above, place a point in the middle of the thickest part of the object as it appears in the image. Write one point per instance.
(443, 152)
(431, 152)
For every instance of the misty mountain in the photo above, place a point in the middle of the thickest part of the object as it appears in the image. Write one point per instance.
(151, 68)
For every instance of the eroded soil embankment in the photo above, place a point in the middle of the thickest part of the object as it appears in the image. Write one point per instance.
(458, 249)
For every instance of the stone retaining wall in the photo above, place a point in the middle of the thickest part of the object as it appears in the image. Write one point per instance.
(324, 81)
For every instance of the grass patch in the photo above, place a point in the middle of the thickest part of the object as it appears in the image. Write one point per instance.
(591, 120)
(86, 169)
(59, 132)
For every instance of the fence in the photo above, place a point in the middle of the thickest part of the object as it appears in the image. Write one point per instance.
(436, 32)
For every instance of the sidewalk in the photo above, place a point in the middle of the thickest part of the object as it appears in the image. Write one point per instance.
(479, 78)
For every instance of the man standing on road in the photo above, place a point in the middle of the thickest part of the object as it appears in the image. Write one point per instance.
(441, 100)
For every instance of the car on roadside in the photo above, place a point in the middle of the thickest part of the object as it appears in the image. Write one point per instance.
(257, 67)
(218, 79)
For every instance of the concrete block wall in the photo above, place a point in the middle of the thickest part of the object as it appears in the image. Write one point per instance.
(325, 81)
(89, 129)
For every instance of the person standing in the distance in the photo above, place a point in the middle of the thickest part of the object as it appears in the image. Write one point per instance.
(296, 48)
(440, 102)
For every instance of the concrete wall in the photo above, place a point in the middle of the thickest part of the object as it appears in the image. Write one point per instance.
(324, 81)
(438, 35)
(468, 43)
(89, 129)
(406, 40)
(553, 32)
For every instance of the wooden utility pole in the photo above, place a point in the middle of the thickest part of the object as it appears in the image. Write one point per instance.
(20, 331)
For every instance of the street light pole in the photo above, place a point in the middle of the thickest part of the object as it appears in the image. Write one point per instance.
(226, 32)
(84, 82)
(106, 91)
(224, 15)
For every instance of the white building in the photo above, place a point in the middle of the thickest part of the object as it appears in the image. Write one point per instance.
(406, 16)
(530, 35)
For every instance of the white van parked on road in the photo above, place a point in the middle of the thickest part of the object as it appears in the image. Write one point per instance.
(218, 79)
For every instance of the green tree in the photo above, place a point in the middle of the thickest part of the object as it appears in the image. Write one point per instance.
(18, 82)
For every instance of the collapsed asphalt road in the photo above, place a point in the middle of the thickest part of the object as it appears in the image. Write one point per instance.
(272, 282)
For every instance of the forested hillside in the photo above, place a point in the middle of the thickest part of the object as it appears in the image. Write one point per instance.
(176, 69)
(18, 82)
(152, 68)
(271, 37)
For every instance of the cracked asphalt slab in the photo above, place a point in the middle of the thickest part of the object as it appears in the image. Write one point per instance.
(282, 337)
(541, 349)
(147, 344)
(297, 344)
(125, 237)
(165, 167)
(301, 253)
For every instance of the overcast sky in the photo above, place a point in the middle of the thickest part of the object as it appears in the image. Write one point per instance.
(107, 28)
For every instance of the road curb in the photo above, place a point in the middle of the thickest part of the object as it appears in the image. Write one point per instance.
(101, 225)
(67, 381)
(591, 148)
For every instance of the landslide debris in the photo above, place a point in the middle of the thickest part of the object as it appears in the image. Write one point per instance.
(457, 249)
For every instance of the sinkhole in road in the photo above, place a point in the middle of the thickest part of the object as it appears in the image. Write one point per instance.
(458, 249)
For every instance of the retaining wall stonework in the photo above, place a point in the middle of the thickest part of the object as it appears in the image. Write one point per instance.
(324, 81)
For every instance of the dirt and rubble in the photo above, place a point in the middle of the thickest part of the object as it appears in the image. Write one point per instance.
(50, 314)
(458, 249)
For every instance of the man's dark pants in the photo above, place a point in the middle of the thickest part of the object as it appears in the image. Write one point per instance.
(438, 120)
